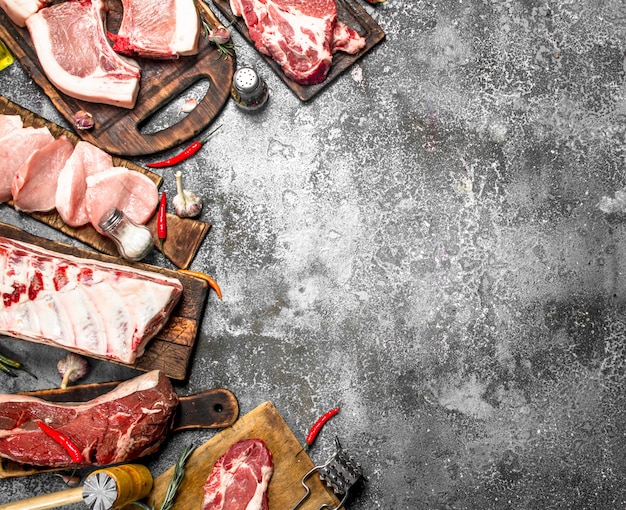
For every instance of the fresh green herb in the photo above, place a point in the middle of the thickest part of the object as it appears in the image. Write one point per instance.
(6, 364)
(218, 35)
(174, 485)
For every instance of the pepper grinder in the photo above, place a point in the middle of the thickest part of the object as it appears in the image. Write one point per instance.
(249, 91)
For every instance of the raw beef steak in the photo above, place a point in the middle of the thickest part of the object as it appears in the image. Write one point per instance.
(71, 45)
(129, 422)
(240, 478)
(83, 305)
(19, 10)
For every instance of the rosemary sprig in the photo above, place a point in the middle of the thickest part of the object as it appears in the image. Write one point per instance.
(6, 364)
(174, 485)
(224, 49)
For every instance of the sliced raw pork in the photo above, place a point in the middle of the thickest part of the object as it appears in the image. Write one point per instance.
(240, 478)
(71, 45)
(129, 422)
(163, 29)
(128, 190)
(87, 159)
(19, 10)
(15, 149)
(34, 184)
(10, 123)
(83, 305)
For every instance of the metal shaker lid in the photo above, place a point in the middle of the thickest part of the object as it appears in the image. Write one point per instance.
(246, 80)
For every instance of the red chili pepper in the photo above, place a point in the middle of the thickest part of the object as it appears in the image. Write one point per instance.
(317, 426)
(185, 154)
(72, 450)
(162, 219)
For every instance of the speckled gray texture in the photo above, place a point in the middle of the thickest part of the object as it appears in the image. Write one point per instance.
(425, 244)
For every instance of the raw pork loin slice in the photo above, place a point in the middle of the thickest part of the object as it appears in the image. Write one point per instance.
(129, 191)
(83, 305)
(163, 29)
(15, 149)
(10, 123)
(86, 160)
(129, 422)
(240, 478)
(32, 189)
(71, 45)
(19, 10)
(297, 34)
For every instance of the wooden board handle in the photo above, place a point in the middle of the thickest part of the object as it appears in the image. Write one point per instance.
(216, 408)
(52, 500)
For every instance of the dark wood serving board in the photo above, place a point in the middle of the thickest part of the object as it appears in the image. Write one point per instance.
(119, 130)
(291, 463)
(184, 237)
(210, 409)
(171, 350)
(348, 11)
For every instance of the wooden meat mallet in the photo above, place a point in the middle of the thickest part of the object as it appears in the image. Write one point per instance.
(104, 489)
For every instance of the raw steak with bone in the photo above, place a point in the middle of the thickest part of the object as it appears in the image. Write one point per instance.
(300, 35)
(83, 305)
(71, 46)
(129, 422)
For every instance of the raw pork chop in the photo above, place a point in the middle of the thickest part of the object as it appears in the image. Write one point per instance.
(19, 10)
(10, 123)
(83, 305)
(240, 478)
(70, 41)
(129, 191)
(15, 148)
(163, 29)
(128, 422)
(297, 34)
(87, 159)
(34, 184)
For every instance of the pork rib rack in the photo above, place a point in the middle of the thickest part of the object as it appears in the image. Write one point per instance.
(92, 307)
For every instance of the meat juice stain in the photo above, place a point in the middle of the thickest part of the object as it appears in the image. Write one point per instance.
(6, 59)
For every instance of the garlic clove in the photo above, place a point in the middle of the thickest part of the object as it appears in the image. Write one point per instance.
(83, 120)
(186, 203)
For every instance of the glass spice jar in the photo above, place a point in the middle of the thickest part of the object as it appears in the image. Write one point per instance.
(249, 91)
(133, 241)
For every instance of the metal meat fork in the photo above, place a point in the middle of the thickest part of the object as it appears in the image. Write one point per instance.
(340, 473)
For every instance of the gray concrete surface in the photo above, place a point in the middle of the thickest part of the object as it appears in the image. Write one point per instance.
(435, 244)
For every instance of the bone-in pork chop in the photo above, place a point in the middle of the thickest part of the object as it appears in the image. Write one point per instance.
(163, 29)
(71, 45)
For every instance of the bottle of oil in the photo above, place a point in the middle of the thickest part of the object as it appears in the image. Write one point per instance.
(6, 59)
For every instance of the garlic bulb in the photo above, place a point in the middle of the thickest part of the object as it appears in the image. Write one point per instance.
(186, 203)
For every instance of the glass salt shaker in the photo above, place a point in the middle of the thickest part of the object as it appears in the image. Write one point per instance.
(133, 241)
(249, 91)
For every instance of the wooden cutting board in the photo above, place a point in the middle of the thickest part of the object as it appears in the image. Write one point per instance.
(291, 463)
(185, 235)
(119, 130)
(171, 350)
(348, 11)
(210, 409)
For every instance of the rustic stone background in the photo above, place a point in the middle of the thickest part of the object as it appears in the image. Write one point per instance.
(435, 243)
